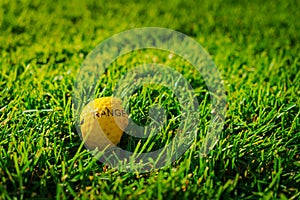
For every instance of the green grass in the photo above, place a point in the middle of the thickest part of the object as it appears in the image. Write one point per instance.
(255, 45)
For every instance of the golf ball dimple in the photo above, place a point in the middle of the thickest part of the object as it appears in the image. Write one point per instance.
(102, 122)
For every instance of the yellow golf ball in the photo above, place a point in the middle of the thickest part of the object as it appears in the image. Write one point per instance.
(102, 122)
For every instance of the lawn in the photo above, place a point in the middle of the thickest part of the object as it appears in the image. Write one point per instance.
(254, 44)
